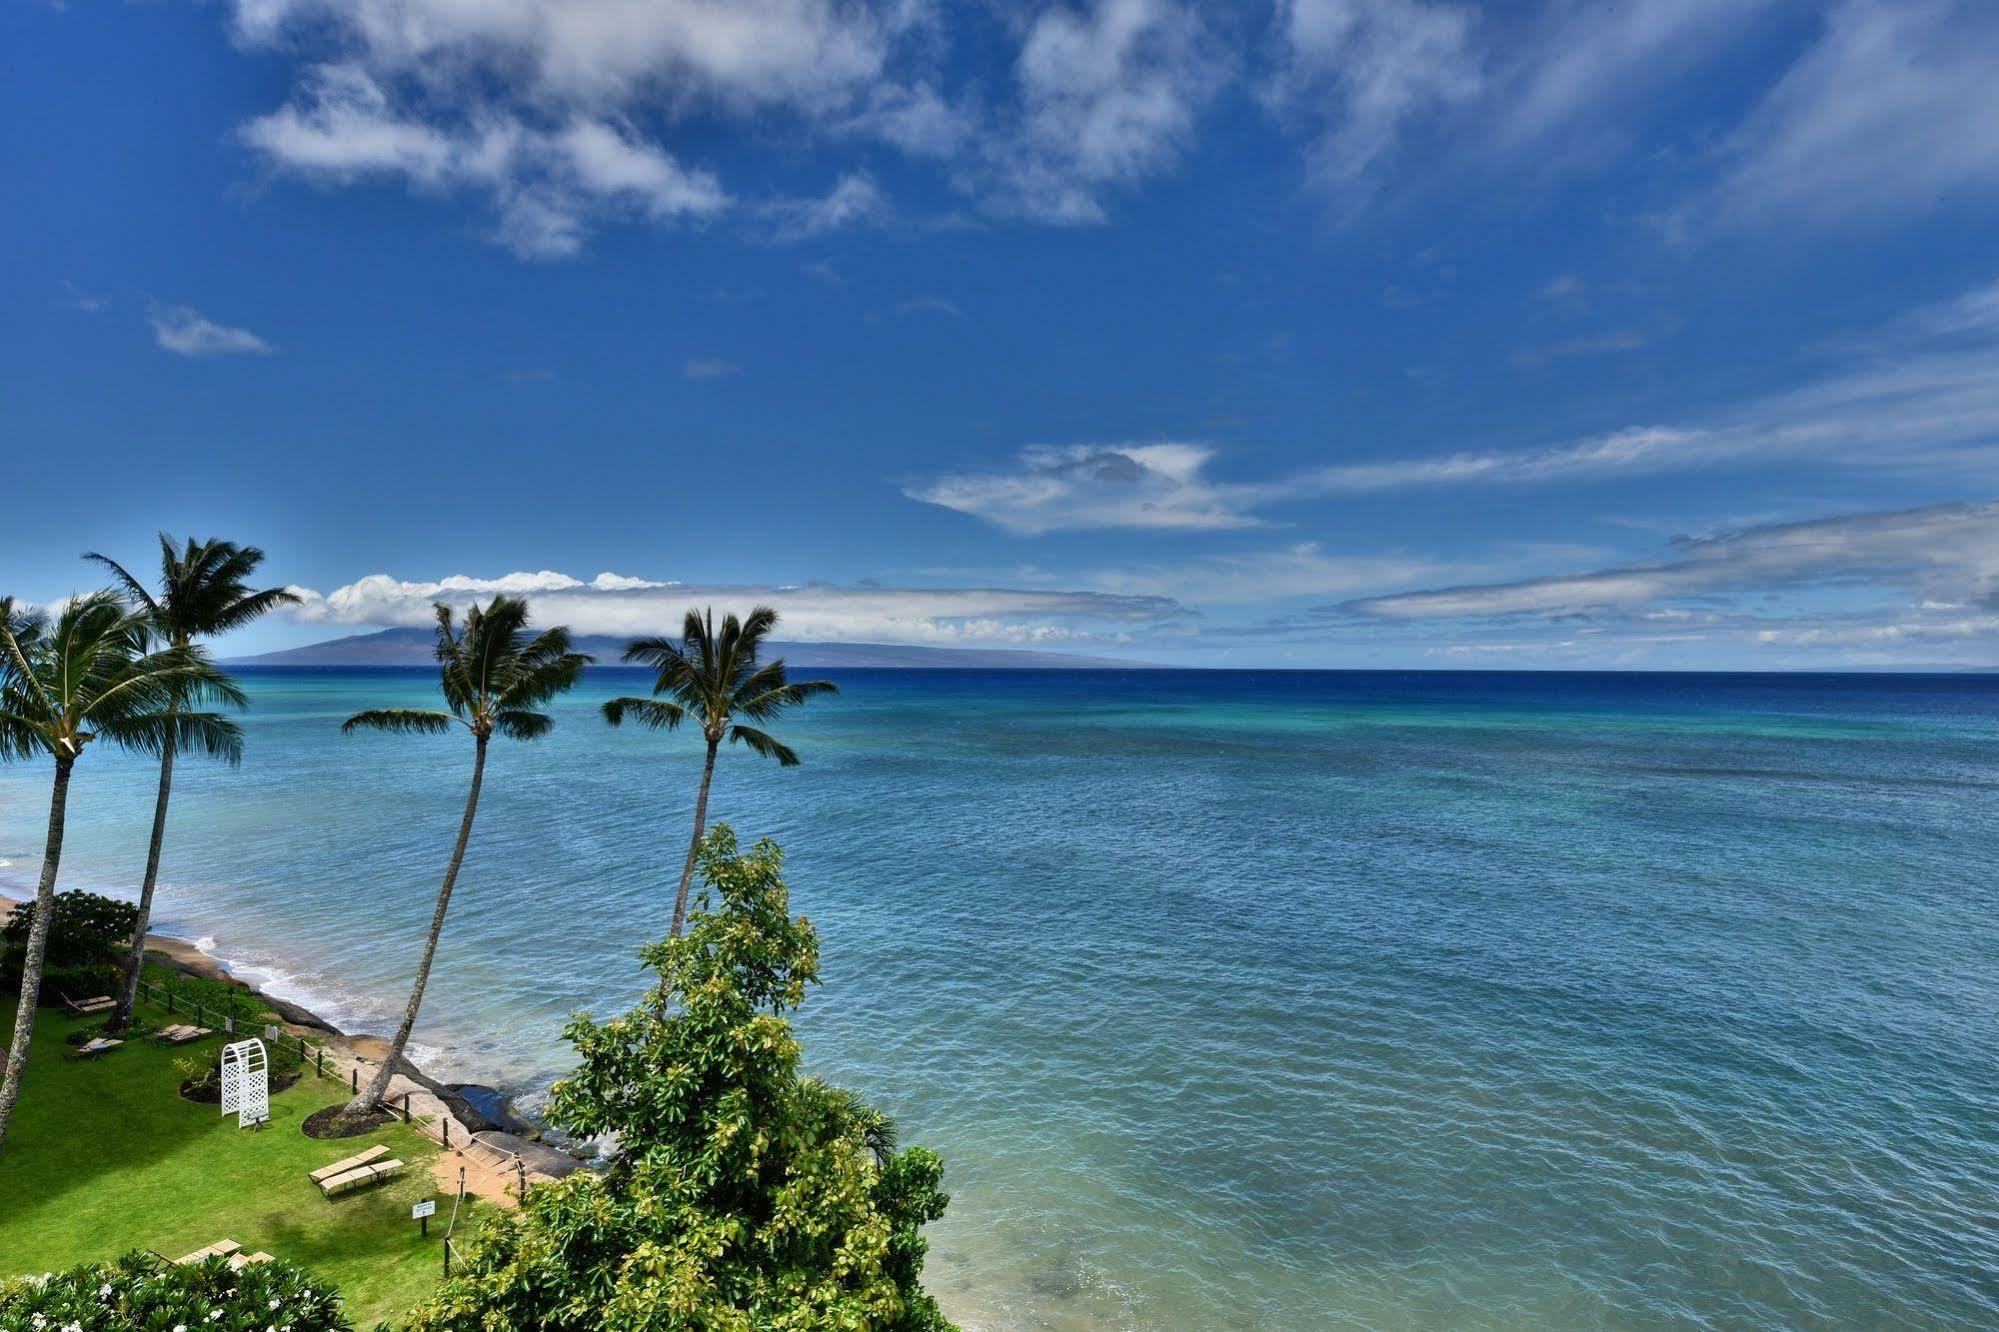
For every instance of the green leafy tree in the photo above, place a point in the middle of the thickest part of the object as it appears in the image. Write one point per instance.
(744, 1196)
(204, 591)
(715, 681)
(91, 675)
(494, 677)
(86, 928)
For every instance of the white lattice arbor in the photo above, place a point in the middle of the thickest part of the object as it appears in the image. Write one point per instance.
(246, 1082)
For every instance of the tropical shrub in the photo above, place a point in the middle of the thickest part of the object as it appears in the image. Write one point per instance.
(84, 931)
(217, 998)
(743, 1196)
(81, 982)
(141, 1292)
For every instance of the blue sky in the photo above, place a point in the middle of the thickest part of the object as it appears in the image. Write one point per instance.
(1336, 332)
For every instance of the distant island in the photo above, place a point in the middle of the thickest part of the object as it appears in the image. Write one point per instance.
(417, 647)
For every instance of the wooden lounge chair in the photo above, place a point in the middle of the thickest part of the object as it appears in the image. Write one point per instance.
(85, 1007)
(181, 1033)
(219, 1249)
(361, 1177)
(369, 1157)
(97, 1046)
(239, 1261)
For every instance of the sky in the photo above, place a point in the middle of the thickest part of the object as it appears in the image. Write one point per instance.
(1329, 333)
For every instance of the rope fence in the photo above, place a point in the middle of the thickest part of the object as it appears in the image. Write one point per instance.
(312, 1055)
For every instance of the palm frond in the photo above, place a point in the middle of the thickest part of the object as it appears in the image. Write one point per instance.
(129, 585)
(765, 745)
(656, 714)
(400, 721)
(520, 724)
(208, 733)
(772, 702)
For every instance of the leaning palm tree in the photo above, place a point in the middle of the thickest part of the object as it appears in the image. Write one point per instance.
(203, 591)
(714, 679)
(90, 675)
(494, 677)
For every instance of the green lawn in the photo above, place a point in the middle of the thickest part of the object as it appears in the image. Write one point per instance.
(105, 1156)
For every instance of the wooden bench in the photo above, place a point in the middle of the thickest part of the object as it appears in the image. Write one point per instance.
(85, 1007)
(361, 1177)
(373, 1154)
(95, 1047)
(239, 1261)
(219, 1249)
(181, 1033)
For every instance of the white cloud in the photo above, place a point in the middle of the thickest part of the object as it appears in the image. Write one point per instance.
(1088, 486)
(1921, 396)
(1893, 110)
(602, 55)
(1250, 578)
(547, 186)
(1361, 71)
(1581, 64)
(709, 367)
(1107, 98)
(854, 200)
(623, 605)
(187, 332)
(1944, 558)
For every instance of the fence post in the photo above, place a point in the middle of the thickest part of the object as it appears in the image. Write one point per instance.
(354, 1079)
(445, 1125)
(447, 1255)
(319, 1058)
(521, 1173)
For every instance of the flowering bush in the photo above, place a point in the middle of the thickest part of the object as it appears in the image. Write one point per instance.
(140, 1293)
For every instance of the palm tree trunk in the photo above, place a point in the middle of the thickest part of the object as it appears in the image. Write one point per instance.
(128, 993)
(38, 947)
(370, 1098)
(700, 825)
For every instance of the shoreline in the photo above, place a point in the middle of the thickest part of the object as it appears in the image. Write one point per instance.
(186, 955)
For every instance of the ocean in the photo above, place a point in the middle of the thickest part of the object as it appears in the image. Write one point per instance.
(1237, 1000)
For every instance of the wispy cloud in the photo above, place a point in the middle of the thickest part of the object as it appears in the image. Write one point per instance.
(187, 332)
(1126, 485)
(1892, 110)
(709, 367)
(622, 604)
(1360, 73)
(854, 200)
(1107, 97)
(1921, 395)
(1943, 559)
(1617, 340)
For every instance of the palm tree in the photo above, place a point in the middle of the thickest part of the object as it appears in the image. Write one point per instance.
(90, 676)
(493, 677)
(713, 680)
(204, 591)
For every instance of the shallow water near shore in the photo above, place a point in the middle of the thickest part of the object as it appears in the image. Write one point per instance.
(1263, 1001)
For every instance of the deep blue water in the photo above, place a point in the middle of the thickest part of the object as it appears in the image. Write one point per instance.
(1277, 1000)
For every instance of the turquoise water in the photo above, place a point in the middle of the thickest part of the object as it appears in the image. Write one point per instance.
(1259, 1001)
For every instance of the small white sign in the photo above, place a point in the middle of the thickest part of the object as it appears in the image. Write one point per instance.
(423, 1209)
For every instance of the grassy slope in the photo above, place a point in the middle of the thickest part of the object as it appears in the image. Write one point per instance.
(105, 1156)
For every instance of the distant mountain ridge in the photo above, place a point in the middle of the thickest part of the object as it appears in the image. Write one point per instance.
(414, 647)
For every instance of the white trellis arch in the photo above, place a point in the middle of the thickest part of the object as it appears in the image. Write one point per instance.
(246, 1082)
